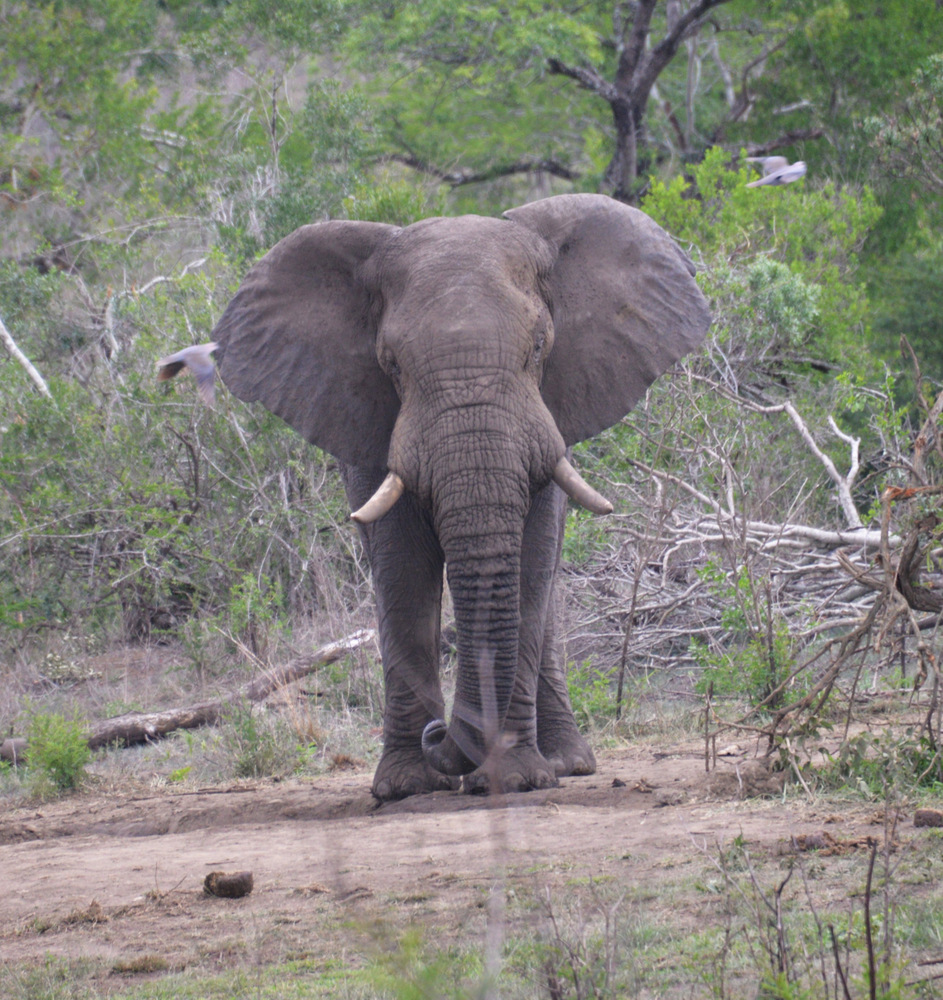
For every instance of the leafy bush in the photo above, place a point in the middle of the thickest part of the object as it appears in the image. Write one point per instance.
(392, 201)
(875, 765)
(57, 750)
(255, 612)
(755, 655)
(591, 694)
(781, 269)
(414, 969)
(256, 746)
(126, 508)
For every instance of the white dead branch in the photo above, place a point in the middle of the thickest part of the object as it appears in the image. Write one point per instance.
(10, 344)
(843, 483)
(690, 553)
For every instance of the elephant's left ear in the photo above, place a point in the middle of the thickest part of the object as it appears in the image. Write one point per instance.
(300, 337)
(625, 307)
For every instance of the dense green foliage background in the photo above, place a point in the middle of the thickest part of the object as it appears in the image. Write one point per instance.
(149, 152)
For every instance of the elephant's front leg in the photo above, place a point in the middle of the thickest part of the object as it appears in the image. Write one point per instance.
(406, 563)
(523, 761)
(558, 737)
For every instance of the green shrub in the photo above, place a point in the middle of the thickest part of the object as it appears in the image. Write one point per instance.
(58, 750)
(396, 202)
(875, 764)
(756, 655)
(781, 271)
(590, 694)
(255, 746)
(256, 606)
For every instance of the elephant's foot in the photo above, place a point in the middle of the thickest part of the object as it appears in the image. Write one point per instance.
(404, 772)
(519, 769)
(567, 752)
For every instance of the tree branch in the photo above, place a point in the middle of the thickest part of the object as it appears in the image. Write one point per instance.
(587, 78)
(10, 344)
(632, 52)
(456, 178)
(667, 48)
(843, 484)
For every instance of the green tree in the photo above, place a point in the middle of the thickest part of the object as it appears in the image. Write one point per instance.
(839, 66)
(782, 264)
(479, 92)
(907, 138)
(131, 196)
(836, 63)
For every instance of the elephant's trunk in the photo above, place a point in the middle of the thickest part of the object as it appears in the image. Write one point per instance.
(489, 459)
(443, 751)
(482, 547)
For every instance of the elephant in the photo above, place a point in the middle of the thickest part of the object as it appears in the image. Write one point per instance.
(449, 366)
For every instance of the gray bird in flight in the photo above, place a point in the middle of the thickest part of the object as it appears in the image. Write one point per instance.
(777, 170)
(199, 360)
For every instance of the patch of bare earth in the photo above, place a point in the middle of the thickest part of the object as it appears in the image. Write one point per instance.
(121, 879)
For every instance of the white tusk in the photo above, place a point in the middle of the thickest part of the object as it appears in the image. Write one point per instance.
(391, 489)
(578, 490)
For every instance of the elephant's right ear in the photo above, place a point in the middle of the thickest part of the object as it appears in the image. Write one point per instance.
(300, 337)
(624, 302)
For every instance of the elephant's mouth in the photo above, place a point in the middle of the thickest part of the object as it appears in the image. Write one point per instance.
(564, 475)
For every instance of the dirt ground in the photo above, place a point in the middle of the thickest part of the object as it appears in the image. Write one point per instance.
(118, 879)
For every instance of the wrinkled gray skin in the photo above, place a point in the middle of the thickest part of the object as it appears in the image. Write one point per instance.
(465, 355)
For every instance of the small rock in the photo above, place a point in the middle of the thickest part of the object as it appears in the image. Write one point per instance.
(669, 797)
(230, 885)
(928, 817)
(814, 841)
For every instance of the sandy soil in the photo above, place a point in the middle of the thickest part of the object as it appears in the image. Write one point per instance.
(120, 878)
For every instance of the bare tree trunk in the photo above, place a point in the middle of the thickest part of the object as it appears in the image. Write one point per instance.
(623, 167)
(640, 64)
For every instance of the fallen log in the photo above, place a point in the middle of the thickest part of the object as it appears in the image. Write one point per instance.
(13, 750)
(143, 727)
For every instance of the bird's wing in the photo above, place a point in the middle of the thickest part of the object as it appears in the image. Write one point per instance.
(199, 360)
(769, 163)
(167, 368)
(785, 175)
(206, 383)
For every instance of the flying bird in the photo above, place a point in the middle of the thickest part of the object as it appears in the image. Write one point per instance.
(199, 360)
(777, 170)
(769, 163)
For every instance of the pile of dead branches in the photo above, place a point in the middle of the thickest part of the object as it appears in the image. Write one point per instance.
(857, 598)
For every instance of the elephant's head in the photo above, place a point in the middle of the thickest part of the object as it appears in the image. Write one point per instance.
(465, 355)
